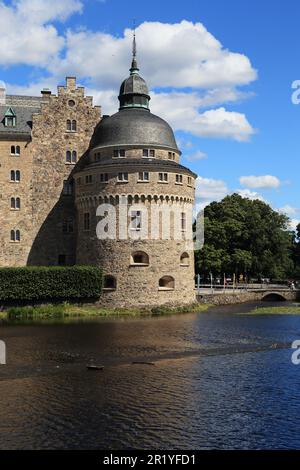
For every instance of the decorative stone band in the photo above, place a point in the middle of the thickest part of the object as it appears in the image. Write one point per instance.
(93, 201)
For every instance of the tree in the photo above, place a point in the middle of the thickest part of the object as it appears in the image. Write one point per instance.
(296, 252)
(245, 236)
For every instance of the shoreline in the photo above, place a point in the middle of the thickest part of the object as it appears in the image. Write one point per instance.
(70, 311)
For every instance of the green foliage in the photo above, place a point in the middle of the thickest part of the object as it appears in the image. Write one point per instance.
(55, 282)
(245, 236)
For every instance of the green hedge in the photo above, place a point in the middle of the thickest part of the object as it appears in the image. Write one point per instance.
(55, 282)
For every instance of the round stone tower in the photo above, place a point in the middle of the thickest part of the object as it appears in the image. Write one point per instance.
(134, 203)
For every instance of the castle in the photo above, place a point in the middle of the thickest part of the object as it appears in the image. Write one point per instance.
(64, 168)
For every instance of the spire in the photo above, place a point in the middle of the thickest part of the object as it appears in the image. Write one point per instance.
(134, 67)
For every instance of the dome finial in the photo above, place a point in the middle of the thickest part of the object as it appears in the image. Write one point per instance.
(134, 67)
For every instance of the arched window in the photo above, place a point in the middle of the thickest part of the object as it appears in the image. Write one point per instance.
(15, 236)
(73, 125)
(184, 259)
(68, 156)
(68, 124)
(109, 283)
(74, 156)
(12, 203)
(140, 258)
(12, 175)
(166, 283)
(17, 150)
(18, 175)
(18, 203)
(13, 150)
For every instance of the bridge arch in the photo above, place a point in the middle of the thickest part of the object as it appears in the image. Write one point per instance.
(273, 297)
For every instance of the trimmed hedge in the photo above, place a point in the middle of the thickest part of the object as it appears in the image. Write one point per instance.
(50, 282)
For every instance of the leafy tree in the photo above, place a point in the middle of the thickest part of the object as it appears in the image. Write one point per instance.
(245, 236)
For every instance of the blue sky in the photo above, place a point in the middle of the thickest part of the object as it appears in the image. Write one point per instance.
(222, 78)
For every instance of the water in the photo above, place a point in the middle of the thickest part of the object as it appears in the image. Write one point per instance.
(220, 380)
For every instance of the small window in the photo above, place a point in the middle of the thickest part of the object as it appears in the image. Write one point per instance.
(163, 177)
(15, 203)
(143, 176)
(166, 283)
(15, 150)
(136, 220)
(74, 156)
(68, 225)
(189, 180)
(88, 179)
(122, 176)
(184, 259)
(68, 156)
(15, 175)
(67, 188)
(140, 258)
(103, 177)
(15, 236)
(71, 125)
(109, 283)
(86, 221)
(170, 155)
(179, 179)
(71, 103)
(61, 260)
(119, 153)
(148, 153)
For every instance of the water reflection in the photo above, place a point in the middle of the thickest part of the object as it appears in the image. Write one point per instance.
(218, 382)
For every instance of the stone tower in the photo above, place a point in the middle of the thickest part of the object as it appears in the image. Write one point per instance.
(134, 205)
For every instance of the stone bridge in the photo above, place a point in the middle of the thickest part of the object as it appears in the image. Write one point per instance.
(220, 297)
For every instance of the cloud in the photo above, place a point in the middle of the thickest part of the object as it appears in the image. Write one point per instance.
(260, 182)
(209, 189)
(26, 36)
(289, 210)
(187, 68)
(175, 55)
(253, 195)
(294, 224)
(196, 156)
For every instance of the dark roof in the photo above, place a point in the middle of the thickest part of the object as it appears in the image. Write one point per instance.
(143, 163)
(134, 84)
(23, 119)
(134, 127)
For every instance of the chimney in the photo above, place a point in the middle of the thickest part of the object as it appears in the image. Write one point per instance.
(2, 93)
(71, 83)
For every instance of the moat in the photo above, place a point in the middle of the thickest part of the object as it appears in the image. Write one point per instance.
(220, 379)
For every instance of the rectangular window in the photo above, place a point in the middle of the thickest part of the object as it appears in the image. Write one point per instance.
(189, 180)
(86, 221)
(119, 153)
(136, 220)
(144, 176)
(148, 153)
(88, 179)
(67, 188)
(183, 221)
(122, 176)
(163, 177)
(179, 179)
(103, 177)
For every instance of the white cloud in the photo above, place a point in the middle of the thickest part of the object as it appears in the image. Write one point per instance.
(289, 210)
(173, 56)
(253, 195)
(26, 36)
(209, 189)
(294, 224)
(199, 155)
(260, 182)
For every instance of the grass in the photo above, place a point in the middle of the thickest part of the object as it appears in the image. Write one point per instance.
(68, 311)
(290, 310)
